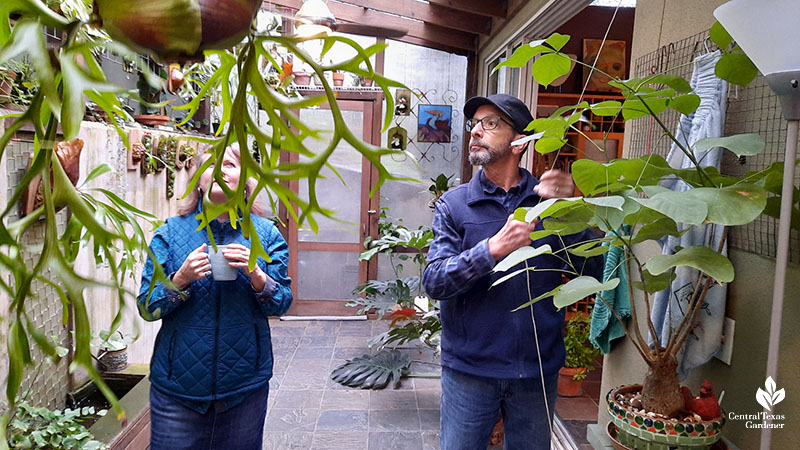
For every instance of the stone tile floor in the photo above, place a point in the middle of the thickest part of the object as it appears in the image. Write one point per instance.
(308, 410)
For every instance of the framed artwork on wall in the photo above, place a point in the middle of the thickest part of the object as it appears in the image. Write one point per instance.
(402, 102)
(611, 61)
(434, 123)
(397, 137)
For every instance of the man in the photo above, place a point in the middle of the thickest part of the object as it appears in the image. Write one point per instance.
(490, 356)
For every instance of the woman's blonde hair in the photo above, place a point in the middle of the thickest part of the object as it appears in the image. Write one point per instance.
(190, 205)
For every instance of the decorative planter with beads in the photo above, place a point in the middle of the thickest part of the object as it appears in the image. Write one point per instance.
(639, 429)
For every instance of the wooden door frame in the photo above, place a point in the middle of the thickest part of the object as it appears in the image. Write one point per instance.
(372, 105)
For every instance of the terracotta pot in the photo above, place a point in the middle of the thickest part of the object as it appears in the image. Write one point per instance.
(338, 79)
(638, 430)
(302, 78)
(567, 387)
(151, 119)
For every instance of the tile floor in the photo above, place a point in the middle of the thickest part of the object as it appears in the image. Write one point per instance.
(307, 410)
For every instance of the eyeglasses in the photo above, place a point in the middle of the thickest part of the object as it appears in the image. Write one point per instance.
(487, 123)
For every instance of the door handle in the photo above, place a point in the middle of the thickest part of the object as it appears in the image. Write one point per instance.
(371, 211)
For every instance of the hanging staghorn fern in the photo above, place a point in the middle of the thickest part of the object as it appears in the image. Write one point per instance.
(113, 229)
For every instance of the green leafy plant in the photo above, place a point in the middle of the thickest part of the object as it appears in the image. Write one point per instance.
(628, 192)
(17, 76)
(112, 229)
(580, 353)
(372, 371)
(42, 428)
(114, 341)
(399, 299)
(441, 184)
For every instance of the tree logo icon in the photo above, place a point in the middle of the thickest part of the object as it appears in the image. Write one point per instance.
(769, 397)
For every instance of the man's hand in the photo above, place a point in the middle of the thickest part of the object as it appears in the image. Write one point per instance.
(555, 184)
(195, 267)
(514, 234)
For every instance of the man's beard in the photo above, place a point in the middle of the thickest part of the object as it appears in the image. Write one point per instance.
(484, 156)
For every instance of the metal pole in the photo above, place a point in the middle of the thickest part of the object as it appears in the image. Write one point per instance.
(781, 260)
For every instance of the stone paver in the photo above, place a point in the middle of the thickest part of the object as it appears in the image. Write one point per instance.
(308, 410)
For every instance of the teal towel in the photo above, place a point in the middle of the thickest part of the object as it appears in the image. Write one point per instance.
(605, 326)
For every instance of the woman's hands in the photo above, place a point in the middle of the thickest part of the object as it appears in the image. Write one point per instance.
(195, 267)
(237, 256)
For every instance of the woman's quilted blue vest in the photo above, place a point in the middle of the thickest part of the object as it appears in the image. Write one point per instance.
(220, 346)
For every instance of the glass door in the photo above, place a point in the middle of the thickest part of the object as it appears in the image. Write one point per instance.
(324, 266)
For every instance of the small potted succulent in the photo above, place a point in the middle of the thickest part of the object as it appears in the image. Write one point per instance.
(580, 356)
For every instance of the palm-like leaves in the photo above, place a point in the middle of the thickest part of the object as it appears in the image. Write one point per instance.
(372, 371)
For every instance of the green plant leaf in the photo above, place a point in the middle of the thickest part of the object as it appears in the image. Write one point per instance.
(745, 144)
(654, 283)
(701, 258)
(372, 371)
(611, 201)
(539, 298)
(534, 212)
(678, 206)
(589, 249)
(676, 82)
(720, 36)
(685, 104)
(511, 275)
(519, 255)
(655, 230)
(736, 68)
(606, 108)
(638, 107)
(733, 205)
(557, 41)
(549, 144)
(550, 66)
(580, 288)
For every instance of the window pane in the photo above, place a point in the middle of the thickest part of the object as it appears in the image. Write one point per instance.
(326, 275)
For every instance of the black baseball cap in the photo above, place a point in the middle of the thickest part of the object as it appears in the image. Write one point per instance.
(509, 105)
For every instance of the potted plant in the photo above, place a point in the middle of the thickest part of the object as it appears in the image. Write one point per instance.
(441, 184)
(580, 356)
(338, 78)
(7, 80)
(150, 96)
(17, 83)
(112, 355)
(629, 191)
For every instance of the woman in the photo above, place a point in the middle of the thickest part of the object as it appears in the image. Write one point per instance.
(212, 360)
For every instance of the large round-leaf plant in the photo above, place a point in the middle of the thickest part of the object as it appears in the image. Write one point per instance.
(624, 198)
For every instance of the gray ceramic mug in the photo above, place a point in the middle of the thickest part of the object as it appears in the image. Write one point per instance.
(220, 269)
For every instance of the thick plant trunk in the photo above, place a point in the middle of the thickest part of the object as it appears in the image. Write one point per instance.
(661, 392)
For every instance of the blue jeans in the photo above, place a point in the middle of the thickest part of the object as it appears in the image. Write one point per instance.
(471, 406)
(176, 427)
